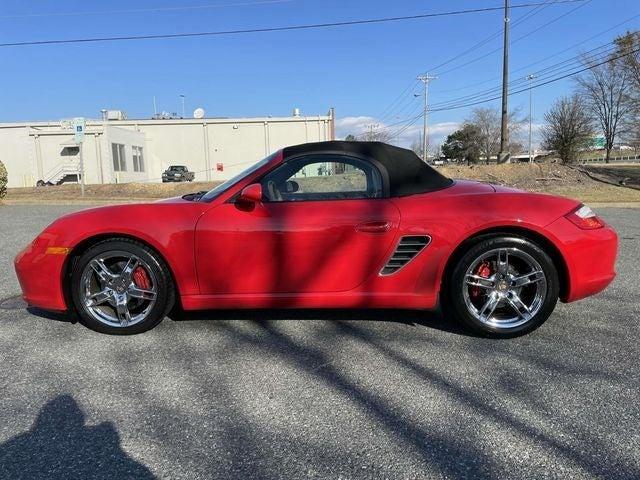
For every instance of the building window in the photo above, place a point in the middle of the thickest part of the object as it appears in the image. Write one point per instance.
(138, 159)
(119, 160)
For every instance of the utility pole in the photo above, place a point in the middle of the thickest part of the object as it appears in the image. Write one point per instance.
(503, 156)
(425, 79)
(530, 77)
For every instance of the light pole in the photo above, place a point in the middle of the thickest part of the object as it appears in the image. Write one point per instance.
(425, 79)
(530, 77)
(183, 110)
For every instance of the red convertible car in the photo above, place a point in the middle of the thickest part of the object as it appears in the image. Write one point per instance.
(325, 225)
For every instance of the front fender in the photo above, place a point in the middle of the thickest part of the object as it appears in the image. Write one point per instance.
(167, 227)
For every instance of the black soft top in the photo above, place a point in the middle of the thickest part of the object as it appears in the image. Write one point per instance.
(406, 172)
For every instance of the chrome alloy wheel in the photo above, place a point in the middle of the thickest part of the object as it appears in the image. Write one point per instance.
(118, 288)
(504, 288)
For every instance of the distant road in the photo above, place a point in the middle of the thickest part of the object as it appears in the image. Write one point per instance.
(629, 173)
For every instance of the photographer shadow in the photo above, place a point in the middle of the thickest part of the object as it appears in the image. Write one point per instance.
(61, 446)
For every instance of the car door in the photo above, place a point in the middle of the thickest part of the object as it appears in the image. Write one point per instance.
(323, 226)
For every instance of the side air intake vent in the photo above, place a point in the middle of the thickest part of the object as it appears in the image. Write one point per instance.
(408, 248)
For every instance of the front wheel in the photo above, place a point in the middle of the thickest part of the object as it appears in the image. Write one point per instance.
(503, 286)
(120, 286)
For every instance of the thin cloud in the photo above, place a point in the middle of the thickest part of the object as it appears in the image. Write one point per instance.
(358, 125)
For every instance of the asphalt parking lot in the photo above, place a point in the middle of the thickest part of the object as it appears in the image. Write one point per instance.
(307, 394)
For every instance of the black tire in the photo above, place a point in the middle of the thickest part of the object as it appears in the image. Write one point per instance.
(165, 295)
(455, 304)
(40, 183)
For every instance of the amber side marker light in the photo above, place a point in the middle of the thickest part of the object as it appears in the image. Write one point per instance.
(584, 218)
(57, 250)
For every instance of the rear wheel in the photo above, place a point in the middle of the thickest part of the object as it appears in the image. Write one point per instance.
(503, 287)
(121, 287)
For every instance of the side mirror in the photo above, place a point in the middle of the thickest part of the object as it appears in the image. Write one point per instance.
(251, 193)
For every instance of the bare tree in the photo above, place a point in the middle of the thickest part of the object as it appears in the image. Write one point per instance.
(606, 89)
(628, 49)
(568, 127)
(374, 133)
(486, 122)
(416, 145)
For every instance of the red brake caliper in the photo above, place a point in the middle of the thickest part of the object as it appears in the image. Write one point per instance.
(484, 271)
(141, 278)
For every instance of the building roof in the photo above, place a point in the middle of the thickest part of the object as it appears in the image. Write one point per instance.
(172, 121)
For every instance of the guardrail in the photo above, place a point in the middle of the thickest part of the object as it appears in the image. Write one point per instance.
(624, 159)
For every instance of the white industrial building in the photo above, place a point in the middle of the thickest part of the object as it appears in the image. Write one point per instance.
(123, 150)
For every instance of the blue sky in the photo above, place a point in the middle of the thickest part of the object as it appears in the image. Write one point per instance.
(359, 70)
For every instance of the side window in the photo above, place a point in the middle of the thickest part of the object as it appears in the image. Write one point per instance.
(322, 177)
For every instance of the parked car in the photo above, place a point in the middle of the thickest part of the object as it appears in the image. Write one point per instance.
(177, 173)
(381, 229)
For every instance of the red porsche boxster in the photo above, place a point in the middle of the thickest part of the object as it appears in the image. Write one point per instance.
(325, 225)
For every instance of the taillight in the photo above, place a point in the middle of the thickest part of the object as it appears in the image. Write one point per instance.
(584, 218)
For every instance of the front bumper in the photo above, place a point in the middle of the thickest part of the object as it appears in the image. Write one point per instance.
(40, 276)
(590, 257)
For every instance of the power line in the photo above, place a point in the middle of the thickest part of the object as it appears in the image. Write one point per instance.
(537, 62)
(403, 129)
(545, 25)
(387, 113)
(143, 10)
(539, 84)
(564, 65)
(390, 107)
(483, 42)
(569, 66)
(394, 107)
(271, 29)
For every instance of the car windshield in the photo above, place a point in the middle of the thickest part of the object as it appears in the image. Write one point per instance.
(178, 168)
(223, 187)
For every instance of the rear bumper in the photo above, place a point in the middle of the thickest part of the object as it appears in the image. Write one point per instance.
(40, 277)
(590, 257)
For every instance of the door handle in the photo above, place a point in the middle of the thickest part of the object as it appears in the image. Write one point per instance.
(373, 227)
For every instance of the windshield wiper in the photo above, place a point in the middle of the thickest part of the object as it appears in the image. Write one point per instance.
(194, 197)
